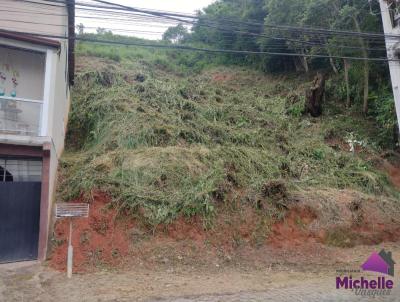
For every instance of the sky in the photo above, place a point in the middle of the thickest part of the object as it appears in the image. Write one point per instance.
(142, 28)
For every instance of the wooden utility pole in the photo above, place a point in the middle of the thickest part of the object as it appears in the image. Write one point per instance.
(391, 27)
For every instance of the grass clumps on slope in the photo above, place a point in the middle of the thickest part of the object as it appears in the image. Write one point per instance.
(164, 143)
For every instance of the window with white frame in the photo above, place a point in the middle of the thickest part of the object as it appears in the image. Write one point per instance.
(22, 76)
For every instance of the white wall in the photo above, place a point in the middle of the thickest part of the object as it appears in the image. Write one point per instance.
(61, 104)
(58, 110)
(34, 18)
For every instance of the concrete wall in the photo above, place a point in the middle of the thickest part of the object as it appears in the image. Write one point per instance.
(43, 17)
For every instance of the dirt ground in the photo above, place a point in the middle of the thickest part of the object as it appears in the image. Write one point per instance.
(315, 224)
(278, 281)
(303, 227)
(116, 259)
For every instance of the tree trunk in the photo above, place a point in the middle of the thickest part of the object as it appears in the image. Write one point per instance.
(366, 67)
(396, 135)
(305, 63)
(331, 61)
(301, 64)
(333, 65)
(315, 95)
(346, 78)
(366, 87)
(297, 64)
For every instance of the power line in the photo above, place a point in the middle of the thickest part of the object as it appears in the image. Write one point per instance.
(190, 48)
(115, 6)
(227, 33)
(164, 14)
(181, 47)
(174, 16)
(283, 27)
(31, 22)
(225, 30)
(32, 13)
(228, 30)
(47, 4)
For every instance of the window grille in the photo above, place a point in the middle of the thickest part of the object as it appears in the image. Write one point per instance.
(20, 170)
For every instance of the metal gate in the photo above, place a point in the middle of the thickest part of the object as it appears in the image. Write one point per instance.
(20, 194)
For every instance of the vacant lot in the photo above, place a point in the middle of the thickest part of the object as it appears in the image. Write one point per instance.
(279, 281)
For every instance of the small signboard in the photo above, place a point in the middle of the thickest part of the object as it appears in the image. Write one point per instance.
(71, 210)
(65, 210)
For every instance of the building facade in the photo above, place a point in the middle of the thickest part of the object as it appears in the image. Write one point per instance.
(36, 73)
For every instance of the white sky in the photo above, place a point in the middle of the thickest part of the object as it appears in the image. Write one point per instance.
(141, 28)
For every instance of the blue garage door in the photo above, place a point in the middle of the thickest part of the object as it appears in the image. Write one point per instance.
(20, 191)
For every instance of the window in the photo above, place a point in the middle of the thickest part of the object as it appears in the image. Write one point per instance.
(5, 176)
(20, 170)
(22, 77)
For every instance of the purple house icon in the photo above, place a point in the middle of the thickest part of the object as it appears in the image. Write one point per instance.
(379, 264)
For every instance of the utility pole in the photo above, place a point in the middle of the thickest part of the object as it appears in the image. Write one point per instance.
(391, 26)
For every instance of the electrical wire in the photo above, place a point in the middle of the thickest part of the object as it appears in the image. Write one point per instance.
(190, 48)
(283, 27)
(224, 30)
(229, 31)
(157, 13)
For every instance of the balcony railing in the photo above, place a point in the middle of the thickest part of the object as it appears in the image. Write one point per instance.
(20, 116)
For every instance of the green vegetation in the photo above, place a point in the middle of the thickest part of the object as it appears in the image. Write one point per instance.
(368, 89)
(169, 134)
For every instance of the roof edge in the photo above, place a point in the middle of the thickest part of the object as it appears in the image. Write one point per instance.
(30, 39)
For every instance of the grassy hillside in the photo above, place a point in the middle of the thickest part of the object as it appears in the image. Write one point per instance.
(167, 137)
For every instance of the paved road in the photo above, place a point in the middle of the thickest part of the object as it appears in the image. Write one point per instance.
(322, 290)
(35, 283)
(301, 293)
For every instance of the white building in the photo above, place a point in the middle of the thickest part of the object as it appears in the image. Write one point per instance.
(36, 72)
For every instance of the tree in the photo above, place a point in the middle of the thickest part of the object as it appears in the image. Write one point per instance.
(176, 34)
(356, 16)
(80, 28)
(103, 31)
(322, 14)
(215, 28)
(289, 12)
(313, 25)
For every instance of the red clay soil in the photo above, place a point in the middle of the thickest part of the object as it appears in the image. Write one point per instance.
(98, 240)
(102, 241)
(366, 224)
(393, 172)
(291, 232)
(107, 241)
(181, 229)
(221, 77)
(226, 227)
